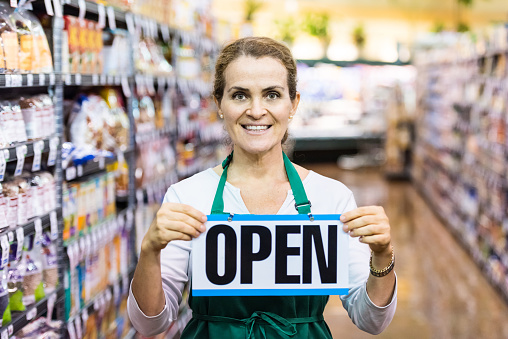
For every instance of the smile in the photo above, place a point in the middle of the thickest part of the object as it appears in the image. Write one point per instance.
(256, 127)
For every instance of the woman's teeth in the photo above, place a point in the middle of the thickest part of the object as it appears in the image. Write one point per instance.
(256, 128)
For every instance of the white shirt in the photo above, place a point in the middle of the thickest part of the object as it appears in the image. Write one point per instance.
(326, 195)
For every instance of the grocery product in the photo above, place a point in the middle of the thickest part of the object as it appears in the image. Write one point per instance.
(9, 50)
(3, 210)
(49, 263)
(40, 328)
(15, 275)
(4, 298)
(33, 288)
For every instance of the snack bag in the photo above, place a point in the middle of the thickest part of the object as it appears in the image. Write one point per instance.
(33, 288)
(72, 32)
(9, 63)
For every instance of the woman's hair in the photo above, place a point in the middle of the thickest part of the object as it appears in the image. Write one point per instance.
(257, 47)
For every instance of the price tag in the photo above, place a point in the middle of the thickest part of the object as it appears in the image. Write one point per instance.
(20, 237)
(58, 8)
(54, 225)
(42, 76)
(17, 80)
(5, 334)
(80, 170)
(4, 243)
(38, 231)
(111, 18)
(29, 79)
(102, 161)
(71, 330)
(103, 79)
(20, 154)
(165, 33)
(10, 237)
(82, 9)
(111, 80)
(102, 15)
(49, 7)
(77, 79)
(52, 77)
(53, 144)
(3, 164)
(8, 81)
(68, 79)
(130, 23)
(140, 196)
(79, 330)
(14, 3)
(95, 79)
(38, 147)
(118, 80)
(125, 87)
(96, 304)
(31, 314)
(70, 173)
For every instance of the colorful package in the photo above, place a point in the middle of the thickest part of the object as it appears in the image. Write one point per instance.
(33, 288)
(9, 63)
(49, 264)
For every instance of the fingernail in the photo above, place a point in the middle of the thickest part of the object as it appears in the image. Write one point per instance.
(203, 218)
(342, 218)
(202, 228)
(345, 228)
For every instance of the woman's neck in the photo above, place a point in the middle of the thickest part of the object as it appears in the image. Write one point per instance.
(257, 166)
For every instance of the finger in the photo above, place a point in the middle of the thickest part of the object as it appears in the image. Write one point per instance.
(368, 230)
(361, 222)
(378, 239)
(179, 226)
(185, 218)
(361, 211)
(186, 209)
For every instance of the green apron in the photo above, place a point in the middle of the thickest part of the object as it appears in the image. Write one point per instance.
(258, 317)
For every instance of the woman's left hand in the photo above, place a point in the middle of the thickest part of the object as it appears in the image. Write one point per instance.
(371, 224)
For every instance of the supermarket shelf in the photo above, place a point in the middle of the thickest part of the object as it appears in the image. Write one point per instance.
(95, 166)
(93, 7)
(313, 62)
(30, 149)
(94, 79)
(335, 143)
(155, 135)
(21, 319)
(27, 80)
(29, 227)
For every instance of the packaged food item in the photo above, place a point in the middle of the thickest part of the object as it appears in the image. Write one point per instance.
(48, 115)
(3, 210)
(15, 275)
(71, 32)
(99, 46)
(117, 122)
(40, 328)
(49, 264)
(5, 311)
(12, 119)
(33, 288)
(7, 124)
(27, 55)
(9, 63)
(49, 187)
(84, 48)
(11, 196)
(18, 120)
(31, 108)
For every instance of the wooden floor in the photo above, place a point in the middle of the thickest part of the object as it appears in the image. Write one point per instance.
(441, 292)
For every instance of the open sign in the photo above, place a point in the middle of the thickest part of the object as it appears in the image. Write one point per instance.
(268, 255)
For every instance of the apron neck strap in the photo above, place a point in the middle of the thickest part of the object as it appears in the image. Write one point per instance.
(302, 204)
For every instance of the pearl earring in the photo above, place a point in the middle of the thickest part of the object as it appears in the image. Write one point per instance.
(221, 116)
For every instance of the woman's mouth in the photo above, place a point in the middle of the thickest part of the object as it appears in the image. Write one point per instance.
(256, 128)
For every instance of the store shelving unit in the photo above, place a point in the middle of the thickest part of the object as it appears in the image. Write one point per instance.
(56, 83)
(461, 150)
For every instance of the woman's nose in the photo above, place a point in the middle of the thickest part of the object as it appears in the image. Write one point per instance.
(256, 109)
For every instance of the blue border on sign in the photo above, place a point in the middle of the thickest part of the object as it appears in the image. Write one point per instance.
(268, 292)
(271, 217)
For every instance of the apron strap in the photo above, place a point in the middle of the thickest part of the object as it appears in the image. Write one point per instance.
(282, 325)
(302, 203)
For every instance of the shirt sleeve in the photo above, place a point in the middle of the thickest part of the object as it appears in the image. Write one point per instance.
(174, 270)
(363, 312)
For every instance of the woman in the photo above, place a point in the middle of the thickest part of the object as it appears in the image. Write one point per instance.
(255, 91)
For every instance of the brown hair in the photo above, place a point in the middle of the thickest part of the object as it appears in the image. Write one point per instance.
(256, 47)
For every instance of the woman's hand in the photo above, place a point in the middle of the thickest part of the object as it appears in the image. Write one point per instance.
(371, 224)
(173, 222)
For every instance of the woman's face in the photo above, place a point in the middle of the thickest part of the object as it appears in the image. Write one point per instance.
(256, 105)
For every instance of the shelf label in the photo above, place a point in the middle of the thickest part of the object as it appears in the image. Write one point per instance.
(49, 7)
(111, 80)
(68, 79)
(80, 171)
(10, 237)
(3, 164)
(111, 18)
(95, 79)
(165, 33)
(140, 197)
(77, 79)
(14, 3)
(70, 173)
(52, 77)
(54, 225)
(38, 231)
(82, 9)
(5, 334)
(20, 237)
(4, 243)
(103, 79)
(10, 329)
(58, 8)
(130, 23)
(102, 15)
(42, 78)
(16, 80)
(38, 147)
(102, 162)
(71, 330)
(125, 87)
(53, 144)
(118, 80)
(8, 82)
(20, 154)
(31, 314)
(79, 330)
(29, 79)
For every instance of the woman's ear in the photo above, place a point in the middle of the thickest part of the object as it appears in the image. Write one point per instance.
(294, 105)
(218, 107)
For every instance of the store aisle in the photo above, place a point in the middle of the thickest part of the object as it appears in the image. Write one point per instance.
(442, 293)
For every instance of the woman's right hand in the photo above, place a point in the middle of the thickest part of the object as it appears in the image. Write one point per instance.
(173, 222)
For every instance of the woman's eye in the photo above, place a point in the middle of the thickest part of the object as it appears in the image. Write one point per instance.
(273, 95)
(239, 96)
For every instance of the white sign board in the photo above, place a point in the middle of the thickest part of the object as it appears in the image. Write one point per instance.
(270, 255)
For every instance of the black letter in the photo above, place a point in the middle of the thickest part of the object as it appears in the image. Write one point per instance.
(247, 257)
(212, 256)
(282, 251)
(328, 273)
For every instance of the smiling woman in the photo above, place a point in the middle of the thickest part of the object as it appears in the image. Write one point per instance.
(255, 91)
